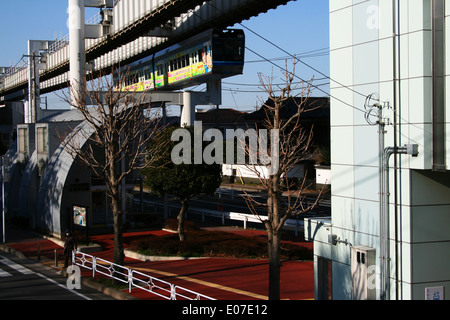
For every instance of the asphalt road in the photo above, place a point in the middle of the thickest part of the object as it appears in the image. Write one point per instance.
(23, 279)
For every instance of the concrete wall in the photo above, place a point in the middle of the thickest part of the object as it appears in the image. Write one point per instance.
(362, 59)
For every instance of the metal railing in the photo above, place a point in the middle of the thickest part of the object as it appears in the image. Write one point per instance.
(56, 45)
(295, 224)
(135, 278)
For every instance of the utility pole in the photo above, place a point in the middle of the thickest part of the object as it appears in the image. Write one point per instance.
(33, 87)
(384, 194)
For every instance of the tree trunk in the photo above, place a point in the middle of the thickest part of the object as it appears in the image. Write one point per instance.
(274, 265)
(273, 237)
(119, 254)
(184, 207)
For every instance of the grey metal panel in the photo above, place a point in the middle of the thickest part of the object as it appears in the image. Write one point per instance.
(50, 196)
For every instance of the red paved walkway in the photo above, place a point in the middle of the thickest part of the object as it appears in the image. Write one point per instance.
(220, 278)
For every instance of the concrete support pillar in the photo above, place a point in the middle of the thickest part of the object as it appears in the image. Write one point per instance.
(188, 110)
(77, 49)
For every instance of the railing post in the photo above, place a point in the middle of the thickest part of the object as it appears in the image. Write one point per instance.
(56, 257)
(173, 292)
(130, 279)
(94, 265)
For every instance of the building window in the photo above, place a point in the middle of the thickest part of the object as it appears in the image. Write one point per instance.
(23, 140)
(42, 140)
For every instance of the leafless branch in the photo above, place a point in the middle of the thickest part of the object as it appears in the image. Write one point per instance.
(295, 144)
(117, 124)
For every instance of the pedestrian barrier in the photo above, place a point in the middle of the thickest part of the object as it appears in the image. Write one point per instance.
(135, 278)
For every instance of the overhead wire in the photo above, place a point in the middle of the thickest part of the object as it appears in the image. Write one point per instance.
(311, 84)
(292, 56)
(367, 113)
(300, 60)
(308, 54)
(259, 84)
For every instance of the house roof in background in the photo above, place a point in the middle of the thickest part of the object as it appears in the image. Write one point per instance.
(317, 108)
(221, 115)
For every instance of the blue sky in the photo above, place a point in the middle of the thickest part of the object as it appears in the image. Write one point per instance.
(299, 27)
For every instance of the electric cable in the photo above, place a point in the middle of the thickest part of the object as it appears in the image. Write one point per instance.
(289, 54)
(259, 91)
(284, 70)
(259, 84)
(368, 112)
(312, 85)
(308, 54)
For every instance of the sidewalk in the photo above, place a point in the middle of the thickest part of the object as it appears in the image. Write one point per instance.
(220, 278)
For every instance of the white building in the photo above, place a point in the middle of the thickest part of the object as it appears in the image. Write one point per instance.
(397, 51)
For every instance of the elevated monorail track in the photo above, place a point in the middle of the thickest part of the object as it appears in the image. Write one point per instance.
(205, 15)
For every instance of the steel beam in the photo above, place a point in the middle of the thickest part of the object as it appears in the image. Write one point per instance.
(99, 3)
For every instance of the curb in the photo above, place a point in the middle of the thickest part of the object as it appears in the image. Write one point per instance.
(7, 249)
(142, 257)
(85, 249)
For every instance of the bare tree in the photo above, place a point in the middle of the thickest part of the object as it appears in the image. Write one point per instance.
(117, 127)
(285, 196)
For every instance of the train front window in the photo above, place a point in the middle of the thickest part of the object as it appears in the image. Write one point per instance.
(228, 50)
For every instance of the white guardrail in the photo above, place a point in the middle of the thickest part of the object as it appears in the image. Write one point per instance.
(291, 224)
(135, 278)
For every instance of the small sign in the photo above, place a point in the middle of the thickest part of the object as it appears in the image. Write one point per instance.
(434, 293)
(79, 216)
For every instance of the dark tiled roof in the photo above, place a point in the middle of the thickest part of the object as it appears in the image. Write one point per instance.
(319, 109)
(221, 115)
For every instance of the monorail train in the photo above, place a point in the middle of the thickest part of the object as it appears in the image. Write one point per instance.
(213, 52)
